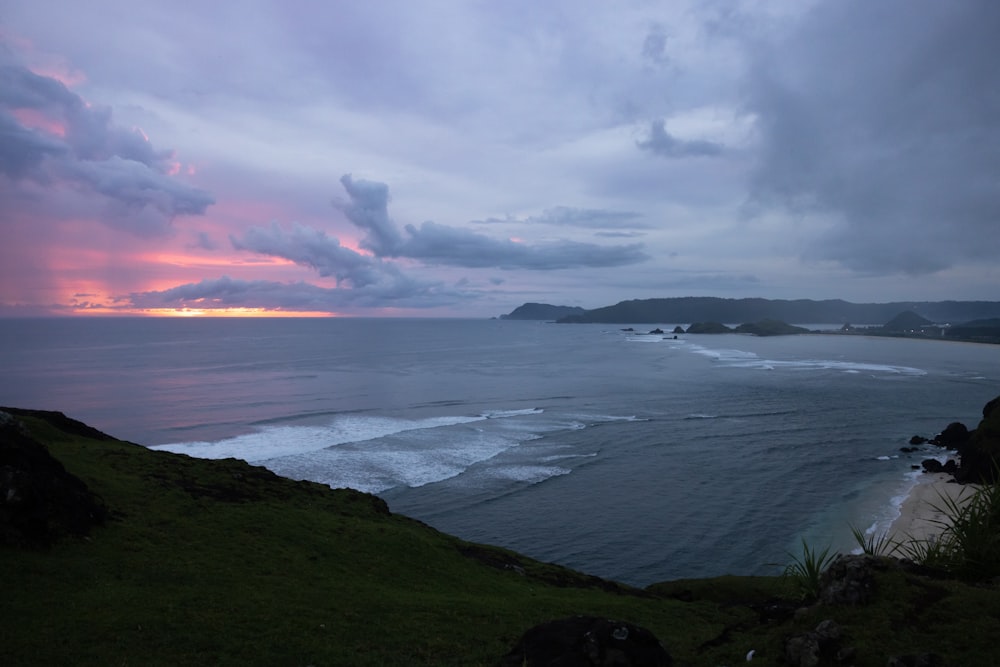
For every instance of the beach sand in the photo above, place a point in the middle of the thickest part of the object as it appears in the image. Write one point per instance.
(920, 516)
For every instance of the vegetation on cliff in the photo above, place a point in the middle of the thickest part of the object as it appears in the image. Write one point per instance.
(219, 562)
(715, 309)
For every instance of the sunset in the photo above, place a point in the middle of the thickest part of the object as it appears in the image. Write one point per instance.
(512, 333)
(346, 159)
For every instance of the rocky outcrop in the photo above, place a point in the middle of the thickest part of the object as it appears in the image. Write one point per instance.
(708, 328)
(586, 641)
(935, 466)
(850, 580)
(955, 436)
(980, 456)
(806, 650)
(39, 500)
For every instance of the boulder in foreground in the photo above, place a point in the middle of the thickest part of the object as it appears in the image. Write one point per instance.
(586, 641)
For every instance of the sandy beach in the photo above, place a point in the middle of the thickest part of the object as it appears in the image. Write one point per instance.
(920, 515)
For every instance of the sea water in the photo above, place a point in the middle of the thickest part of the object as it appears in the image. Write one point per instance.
(627, 455)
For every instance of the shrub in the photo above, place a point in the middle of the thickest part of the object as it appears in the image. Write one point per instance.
(804, 572)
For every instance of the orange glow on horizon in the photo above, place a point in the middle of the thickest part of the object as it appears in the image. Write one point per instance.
(200, 312)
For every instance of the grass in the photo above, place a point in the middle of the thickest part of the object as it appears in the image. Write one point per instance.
(969, 544)
(805, 571)
(874, 544)
(217, 562)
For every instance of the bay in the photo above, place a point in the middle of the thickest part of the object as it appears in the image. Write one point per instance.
(636, 457)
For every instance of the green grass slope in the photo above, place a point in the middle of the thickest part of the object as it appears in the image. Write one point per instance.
(218, 562)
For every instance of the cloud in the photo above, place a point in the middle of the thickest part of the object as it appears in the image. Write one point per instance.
(227, 292)
(52, 138)
(442, 245)
(312, 248)
(654, 47)
(664, 144)
(368, 208)
(204, 241)
(577, 217)
(22, 150)
(879, 121)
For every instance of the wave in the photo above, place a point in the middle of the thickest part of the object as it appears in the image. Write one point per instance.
(272, 441)
(745, 359)
(376, 453)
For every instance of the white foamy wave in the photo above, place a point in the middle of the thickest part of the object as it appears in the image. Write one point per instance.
(274, 441)
(583, 419)
(744, 359)
(559, 457)
(723, 355)
(500, 414)
(531, 474)
(413, 459)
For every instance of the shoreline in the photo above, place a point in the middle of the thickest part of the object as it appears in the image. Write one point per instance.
(920, 514)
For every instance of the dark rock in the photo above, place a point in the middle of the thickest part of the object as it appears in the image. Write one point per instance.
(585, 641)
(802, 651)
(628, 329)
(39, 500)
(916, 660)
(932, 465)
(918, 440)
(806, 650)
(954, 436)
(980, 457)
(907, 450)
(848, 654)
(850, 580)
(657, 331)
(678, 329)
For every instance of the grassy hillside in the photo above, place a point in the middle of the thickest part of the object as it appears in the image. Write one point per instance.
(218, 562)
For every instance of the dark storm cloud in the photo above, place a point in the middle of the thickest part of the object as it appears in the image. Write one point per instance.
(662, 143)
(313, 248)
(79, 146)
(23, 150)
(226, 292)
(885, 118)
(368, 208)
(437, 244)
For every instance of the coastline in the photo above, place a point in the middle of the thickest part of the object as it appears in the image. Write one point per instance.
(920, 515)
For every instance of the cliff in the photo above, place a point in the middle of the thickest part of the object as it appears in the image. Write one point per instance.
(541, 311)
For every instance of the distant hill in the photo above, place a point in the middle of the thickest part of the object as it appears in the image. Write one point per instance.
(542, 311)
(978, 330)
(906, 321)
(803, 311)
(770, 328)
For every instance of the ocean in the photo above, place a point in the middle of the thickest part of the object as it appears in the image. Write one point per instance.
(636, 457)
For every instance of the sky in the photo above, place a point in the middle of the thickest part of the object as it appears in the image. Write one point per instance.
(459, 158)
